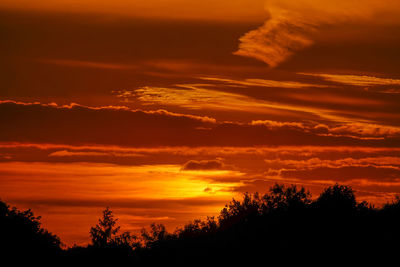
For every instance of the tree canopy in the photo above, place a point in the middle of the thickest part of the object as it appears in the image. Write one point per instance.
(284, 221)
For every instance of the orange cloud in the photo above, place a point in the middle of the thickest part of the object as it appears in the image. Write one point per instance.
(357, 80)
(275, 41)
(67, 153)
(76, 124)
(209, 151)
(175, 184)
(352, 129)
(226, 95)
(292, 23)
(196, 96)
(263, 83)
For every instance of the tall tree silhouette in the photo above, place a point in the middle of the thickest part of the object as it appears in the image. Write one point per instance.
(104, 232)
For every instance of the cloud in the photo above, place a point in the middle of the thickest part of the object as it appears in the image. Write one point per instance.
(195, 165)
(175, 154)
(361, 81)
(264, 83)
(314, 163)
(275, 41)
(223, 96)
(202, 97)
(79, 124)
(104, 181)
(150, 204)
(292, 24)
(344, 174)
(67, 153)
(279, 124)
(363, 129)
(120, 126)
(368, 170)
(159, 112)
(195, 96)
(351, 129)
(61, 190)
(87, 64)
(72, 192)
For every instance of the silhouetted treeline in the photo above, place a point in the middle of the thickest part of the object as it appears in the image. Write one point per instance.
(283, 226)
(23, 240)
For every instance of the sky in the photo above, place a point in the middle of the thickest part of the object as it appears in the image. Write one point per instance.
(164, 110)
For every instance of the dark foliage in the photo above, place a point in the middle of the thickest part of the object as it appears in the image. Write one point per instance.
(283, 226)
(22, 238)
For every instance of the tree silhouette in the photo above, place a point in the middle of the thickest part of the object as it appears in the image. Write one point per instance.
(105, 233)
(198, 228)
(337, 199)
(283, 222)
(282, 198)
(157, 233)
(21, 233)
(279, 199)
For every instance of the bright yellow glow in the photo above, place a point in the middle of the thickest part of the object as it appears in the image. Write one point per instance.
(108, 181)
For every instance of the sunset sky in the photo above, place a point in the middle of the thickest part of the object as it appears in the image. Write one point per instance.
(166, 109)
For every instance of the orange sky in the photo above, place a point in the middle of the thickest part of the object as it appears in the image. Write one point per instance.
(165, 110)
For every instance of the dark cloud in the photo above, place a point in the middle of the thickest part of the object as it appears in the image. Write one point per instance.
(344, 174)
(194, 165)
(77, 124)
(121, 203)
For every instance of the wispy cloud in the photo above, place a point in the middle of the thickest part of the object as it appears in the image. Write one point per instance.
(87, 64)
(263, 83)
(291, 24)
(204, 96)
(313, 163)
(68, 153)
(276, 40)
(357, 80)
(351, 129)
(194, 97)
